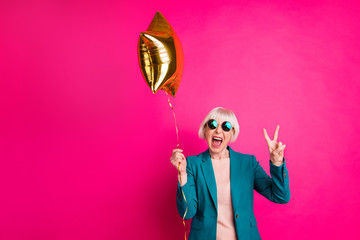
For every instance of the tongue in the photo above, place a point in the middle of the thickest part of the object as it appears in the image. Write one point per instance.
(216, 142)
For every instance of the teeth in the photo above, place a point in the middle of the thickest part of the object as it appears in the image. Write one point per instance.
(217, 138)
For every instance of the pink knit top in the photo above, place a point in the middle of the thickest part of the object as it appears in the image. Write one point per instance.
(225, 220)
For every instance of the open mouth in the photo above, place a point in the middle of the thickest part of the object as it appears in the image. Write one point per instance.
(216, 141)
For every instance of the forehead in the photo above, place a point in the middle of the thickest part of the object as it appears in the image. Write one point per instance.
(220, 118)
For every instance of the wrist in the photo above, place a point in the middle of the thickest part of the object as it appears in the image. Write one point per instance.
(277, 163)
(182, 179)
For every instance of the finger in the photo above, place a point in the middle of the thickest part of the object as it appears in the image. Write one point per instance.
(182, 156)
(173, 161)
(177, 156)
(281, 146)
(267, 138)
(273, 147)
(177, 150)
(176, 162)
(281, 149)
(180, 165)
(276, 133)
(278, 148)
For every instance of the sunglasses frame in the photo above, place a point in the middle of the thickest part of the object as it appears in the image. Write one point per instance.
(223, 125)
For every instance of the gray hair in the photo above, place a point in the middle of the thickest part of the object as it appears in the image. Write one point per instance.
(221, 114)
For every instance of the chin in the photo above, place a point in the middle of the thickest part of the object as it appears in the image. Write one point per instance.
(218, 149)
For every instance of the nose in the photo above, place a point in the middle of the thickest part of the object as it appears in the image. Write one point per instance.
(218, 129)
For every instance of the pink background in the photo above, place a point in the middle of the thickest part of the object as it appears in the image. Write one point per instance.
(85, 145)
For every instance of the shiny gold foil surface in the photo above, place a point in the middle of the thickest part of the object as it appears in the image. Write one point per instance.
(161, 56)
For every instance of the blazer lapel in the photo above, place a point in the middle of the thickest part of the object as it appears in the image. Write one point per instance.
(236, 167)
(209, 176)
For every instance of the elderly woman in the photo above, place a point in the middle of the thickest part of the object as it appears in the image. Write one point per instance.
(218, 183)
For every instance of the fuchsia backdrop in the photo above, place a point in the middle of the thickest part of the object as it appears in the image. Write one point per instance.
(85, 145)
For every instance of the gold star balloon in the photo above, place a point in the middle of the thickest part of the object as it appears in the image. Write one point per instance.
(161, 56)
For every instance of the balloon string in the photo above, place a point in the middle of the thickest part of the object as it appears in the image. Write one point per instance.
(177, 131)
(177, 146)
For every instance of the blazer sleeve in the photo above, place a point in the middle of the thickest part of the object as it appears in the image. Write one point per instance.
(275, 188)
(189, 190)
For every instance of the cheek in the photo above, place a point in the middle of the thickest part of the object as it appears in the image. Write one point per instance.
(207, 135)
(232, 132)
(228, 136)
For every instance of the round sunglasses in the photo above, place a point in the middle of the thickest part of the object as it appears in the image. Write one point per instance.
(212, 124)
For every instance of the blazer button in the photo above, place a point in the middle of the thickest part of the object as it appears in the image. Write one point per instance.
(237, 215)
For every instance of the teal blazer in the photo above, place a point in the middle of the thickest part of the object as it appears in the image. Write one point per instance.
(245, 175)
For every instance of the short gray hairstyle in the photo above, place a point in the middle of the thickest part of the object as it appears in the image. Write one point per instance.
(221, 114)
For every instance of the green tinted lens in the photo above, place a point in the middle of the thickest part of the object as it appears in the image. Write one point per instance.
(226, 126)
(212, 124)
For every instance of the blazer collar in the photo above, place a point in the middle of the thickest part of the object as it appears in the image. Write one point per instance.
(236, 167)
(209, 176)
